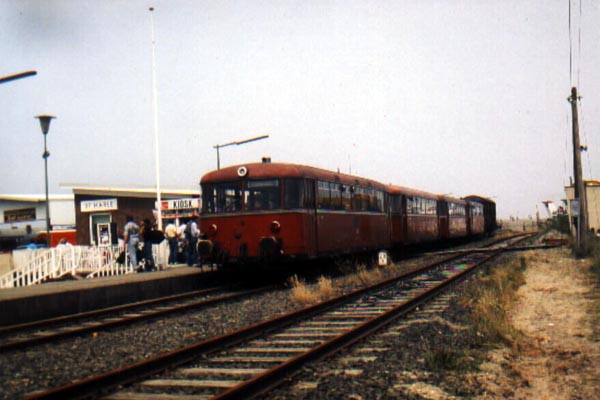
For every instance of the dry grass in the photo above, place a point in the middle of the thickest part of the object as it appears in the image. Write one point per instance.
(305, 294)
(368, 276)
(325, 288)
(490, 300)
(300, 292)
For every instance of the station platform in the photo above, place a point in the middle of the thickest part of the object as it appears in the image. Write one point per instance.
(54, 299)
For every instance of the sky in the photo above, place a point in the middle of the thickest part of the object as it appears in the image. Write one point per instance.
(452, 97)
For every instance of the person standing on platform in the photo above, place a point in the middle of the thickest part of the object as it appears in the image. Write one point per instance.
(146, 233)
(191, 236)
(171, 234)
(131, 238)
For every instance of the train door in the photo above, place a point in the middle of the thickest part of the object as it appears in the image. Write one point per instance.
(405, 237)
(443, 219)
(469, 213)
(311, 220)
(397, 232)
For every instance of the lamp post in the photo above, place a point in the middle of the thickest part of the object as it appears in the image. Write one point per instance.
(19, 75)
(45, 125)
(155, 112)
(218, 146)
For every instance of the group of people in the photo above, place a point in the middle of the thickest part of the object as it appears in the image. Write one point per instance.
(186, 235)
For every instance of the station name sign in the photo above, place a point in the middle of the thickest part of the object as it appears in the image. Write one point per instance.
(98, 205)
(180, 204)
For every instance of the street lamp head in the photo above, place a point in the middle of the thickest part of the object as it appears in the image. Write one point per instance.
(45, 122)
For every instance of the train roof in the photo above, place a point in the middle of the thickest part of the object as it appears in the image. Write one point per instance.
(285, 170)
(395, 189)
(479, 199)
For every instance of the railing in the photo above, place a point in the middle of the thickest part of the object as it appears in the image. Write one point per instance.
(35, 266)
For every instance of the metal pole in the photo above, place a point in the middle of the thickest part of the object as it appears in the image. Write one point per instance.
(237, 143)
(46, 155)
(155, 111)
(218, 158)
(20, 75)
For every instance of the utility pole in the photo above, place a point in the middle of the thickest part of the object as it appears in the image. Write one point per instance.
(579, 187)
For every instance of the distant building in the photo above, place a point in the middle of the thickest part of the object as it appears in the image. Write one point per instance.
(23, 217)
(101, 212)
(592, 190)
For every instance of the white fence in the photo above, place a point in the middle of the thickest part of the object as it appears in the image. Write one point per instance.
(36, 266)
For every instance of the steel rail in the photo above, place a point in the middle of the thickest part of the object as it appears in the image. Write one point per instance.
(82, 329)
(103, 311)
(273, 377)
(107, 382)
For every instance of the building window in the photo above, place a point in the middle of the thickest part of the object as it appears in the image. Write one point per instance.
(25, 214)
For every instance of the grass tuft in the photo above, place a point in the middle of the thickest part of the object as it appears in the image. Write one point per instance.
(446, 359)
(303, 293)
(489, 301)
(300, 292)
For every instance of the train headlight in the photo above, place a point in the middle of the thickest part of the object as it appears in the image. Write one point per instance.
(275, 227)
(212, 230)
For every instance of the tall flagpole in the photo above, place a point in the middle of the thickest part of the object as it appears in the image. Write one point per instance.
(155, 111)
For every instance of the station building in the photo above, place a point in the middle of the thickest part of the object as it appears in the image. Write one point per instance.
(101, 212)
(23, 217)
(592, 191)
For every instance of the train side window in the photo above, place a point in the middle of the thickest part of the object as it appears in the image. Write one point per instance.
(380, 199)
(324, 199)
(357, 197)
(336, 196)
(294, 194)
(410, 205)
(310, 193)
(396, 203)
(346, 197)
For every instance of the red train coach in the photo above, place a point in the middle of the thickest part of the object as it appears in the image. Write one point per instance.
(488, 212)
(268, 211)
(414, 216)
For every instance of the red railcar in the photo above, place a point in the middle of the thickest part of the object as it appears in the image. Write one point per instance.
(453, 215)
(476, 218)
(274, 211)
(267, 211)
(414, 216)
(489, 212)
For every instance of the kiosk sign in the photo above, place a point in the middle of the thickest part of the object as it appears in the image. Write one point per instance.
(180, 204)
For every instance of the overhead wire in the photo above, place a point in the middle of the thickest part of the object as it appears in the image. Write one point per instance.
(570, 49)
(579, 41)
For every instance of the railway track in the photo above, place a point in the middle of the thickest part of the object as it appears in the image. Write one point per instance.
(255, 359)
(39, 332)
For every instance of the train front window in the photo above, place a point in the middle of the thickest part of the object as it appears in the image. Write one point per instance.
(262, 195)
(293, 196)
(222, 198)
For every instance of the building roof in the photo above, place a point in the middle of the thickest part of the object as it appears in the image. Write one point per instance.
(35, 198)
(132, 190)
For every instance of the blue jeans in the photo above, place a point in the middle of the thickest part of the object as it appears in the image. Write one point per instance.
(148, 254)
(192, 256)
(173, 249)
(132, 250)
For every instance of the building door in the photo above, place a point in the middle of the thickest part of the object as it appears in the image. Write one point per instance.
(100, 232)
